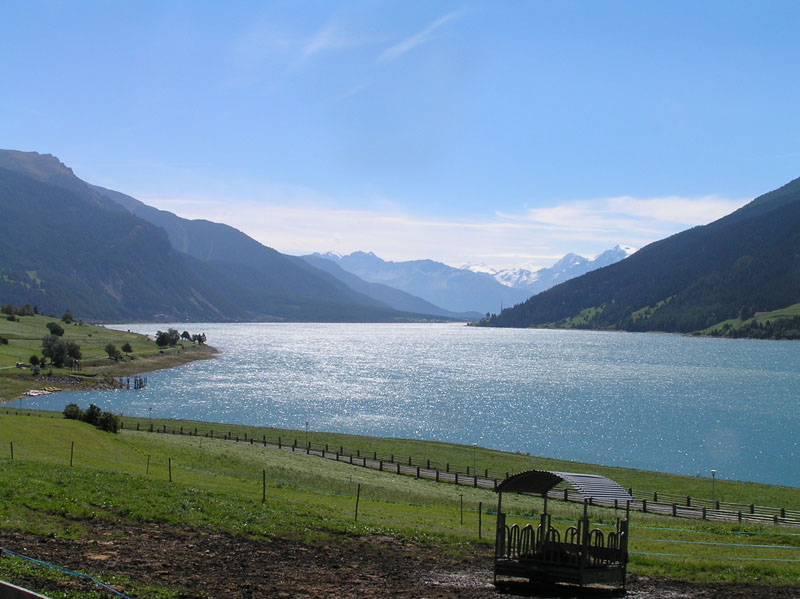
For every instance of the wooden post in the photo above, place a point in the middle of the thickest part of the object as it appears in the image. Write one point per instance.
(456, 477)
(462, 508)
(169, 465)
(480, 513)
(675, 509)
(264, 486)
(437, 475)
(12, 449)
(397, 465)
(358, 497)
(71, 452)
(644, 505)
(417, 471)
(147, 468)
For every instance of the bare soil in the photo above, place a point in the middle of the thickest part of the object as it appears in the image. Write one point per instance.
(203, 565)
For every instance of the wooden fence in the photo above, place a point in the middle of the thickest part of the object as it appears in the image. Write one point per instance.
(679, 506)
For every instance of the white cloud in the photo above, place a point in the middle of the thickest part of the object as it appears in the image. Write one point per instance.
(300, 221)
(415, 40)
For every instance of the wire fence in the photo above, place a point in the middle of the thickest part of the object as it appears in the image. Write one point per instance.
(679, 506)
(359, 503)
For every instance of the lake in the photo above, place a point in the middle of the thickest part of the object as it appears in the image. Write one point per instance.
(653, 401)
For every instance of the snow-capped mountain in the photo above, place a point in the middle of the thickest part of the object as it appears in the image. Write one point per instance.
(538, 280)
(454, 289)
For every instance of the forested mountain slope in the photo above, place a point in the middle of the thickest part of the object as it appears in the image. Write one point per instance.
(67, 244)
(746, 262)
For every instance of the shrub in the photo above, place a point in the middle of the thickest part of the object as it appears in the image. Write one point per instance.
(73, 412)
(55, 328)
(108, 422)
(3, 341)
(92, 414)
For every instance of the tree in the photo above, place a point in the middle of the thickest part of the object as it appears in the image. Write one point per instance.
(127, 348)
(186, 335)
(200, 338)
(67, 317)
(74, 350)
(113, 352)
(55, 328)
(34, 360)
(55, 349)
(170, 337)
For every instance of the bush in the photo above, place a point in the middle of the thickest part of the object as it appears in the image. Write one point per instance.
(108, 422)
(92, 414)
(3, 341)
(55, 328)
(73, 412)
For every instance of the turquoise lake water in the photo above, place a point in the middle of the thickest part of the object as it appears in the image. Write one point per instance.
(658, 402)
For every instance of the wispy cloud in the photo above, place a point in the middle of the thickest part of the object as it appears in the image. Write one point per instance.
(299, 221)
(333, 37)
(408, 44)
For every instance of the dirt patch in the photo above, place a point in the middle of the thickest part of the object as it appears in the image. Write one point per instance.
(205, 565)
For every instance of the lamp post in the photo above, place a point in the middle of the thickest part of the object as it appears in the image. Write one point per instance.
(713, 480)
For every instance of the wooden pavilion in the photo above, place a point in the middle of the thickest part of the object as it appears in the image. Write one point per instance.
(582, 556)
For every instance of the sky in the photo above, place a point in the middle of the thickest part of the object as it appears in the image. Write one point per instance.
(495, 133)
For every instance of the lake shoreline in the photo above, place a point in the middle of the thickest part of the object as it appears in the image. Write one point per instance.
(104, 376)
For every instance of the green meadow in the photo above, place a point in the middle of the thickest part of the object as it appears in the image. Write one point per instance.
(65, 473)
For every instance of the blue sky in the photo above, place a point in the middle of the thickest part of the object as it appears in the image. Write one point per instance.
(503, 133)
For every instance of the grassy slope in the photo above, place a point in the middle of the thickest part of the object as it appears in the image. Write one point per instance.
(217, 485)
(25, 340)
(761, 318)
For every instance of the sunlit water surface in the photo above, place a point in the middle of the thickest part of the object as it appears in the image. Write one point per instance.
(659, 402)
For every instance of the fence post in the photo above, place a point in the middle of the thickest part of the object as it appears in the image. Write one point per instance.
(480, 514)
(417, 471)
(752, 508)
(358, 496)
(456, 477)
(71, 452)
(264, 485)
(429, 465)
(462, 508)
(675, 509)
(12, 449)
(147, 468)
(437, 475)
(644, 505)
(169, 465)
(704, 512)
(398, 467)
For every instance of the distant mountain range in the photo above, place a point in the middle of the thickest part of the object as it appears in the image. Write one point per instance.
(454, 289)
(744, 263)
(470, 290)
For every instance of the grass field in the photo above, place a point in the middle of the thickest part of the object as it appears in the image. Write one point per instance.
(259, 491)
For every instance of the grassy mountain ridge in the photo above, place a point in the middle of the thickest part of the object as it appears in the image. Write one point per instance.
(746, 262)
